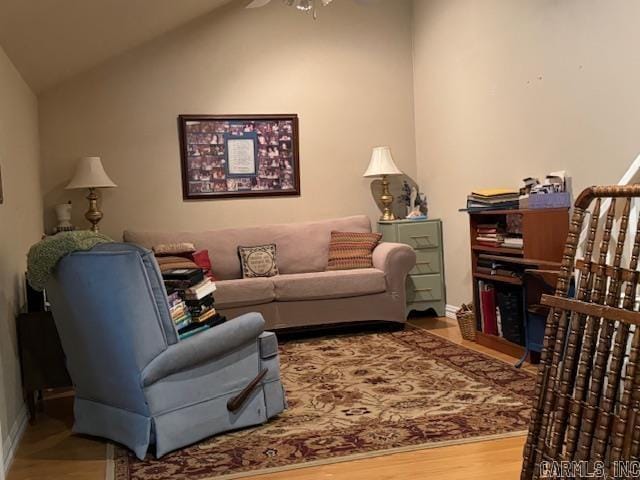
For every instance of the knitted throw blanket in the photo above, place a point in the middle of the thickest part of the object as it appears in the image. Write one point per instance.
(45, 255)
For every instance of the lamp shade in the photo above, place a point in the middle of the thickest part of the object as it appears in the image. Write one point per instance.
(381, 163)
(90, 174)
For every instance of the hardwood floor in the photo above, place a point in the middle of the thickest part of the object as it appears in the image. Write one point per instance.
(49, 451)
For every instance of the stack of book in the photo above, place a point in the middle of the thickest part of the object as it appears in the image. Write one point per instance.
(495, 267)
(191, 300)
(493, 199)
(179, 312)
(489, 234)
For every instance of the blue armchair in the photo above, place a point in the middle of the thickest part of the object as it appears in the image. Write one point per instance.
(136, 382)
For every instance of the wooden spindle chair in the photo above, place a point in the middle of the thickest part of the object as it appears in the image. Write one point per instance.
(587, 392)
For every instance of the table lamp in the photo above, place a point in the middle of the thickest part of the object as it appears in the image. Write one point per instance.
(381, 165)
(90, 174)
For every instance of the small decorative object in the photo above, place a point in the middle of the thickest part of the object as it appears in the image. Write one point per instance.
(381, 165)
(239, 156)
(416, 202)
(90, 174)
(63, 212)
(259, 261)
(466, 322)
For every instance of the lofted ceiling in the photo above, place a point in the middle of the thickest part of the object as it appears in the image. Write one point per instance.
(51, 40)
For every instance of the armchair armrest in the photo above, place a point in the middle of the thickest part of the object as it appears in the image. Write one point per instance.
(204, 347)
(395, 259)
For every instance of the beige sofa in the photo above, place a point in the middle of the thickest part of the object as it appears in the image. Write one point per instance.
(304, 294)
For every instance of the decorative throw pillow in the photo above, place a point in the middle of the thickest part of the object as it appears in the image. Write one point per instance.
(201, 258)
(259, 261)
(349, 250)
(170, 262)
(174, 248)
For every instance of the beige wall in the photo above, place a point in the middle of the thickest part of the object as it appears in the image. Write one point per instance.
(20, 226)
(348, 76)
(502, 90)
(505, 89)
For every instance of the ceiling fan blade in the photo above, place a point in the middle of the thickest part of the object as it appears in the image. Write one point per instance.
(258, 3)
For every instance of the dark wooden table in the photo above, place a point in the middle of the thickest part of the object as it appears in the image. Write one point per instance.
(42, 359)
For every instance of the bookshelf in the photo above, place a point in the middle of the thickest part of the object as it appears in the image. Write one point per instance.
(543, 233)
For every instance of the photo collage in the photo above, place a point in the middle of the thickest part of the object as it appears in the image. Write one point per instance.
(269, 164)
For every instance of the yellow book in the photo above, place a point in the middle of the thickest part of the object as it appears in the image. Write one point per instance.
(495, 192)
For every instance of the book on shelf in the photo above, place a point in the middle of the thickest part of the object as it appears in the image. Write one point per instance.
(493, 199)
(513, 242)
(502, 268)
(488, 309)
(173, 299)
(197, 308)
(204, 316)
(488, 226)
(495, 192)
(195, 328)
(183, 324)
(491, 241)
(201, 290)
(510, 306)
(473, 206)
(187, 275)
(190, 333)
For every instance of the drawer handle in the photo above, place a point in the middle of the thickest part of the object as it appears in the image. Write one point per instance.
(415, 237)
(423, 290)
(423, 263)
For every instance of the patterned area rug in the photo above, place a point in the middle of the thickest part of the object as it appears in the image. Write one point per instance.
(357, 396)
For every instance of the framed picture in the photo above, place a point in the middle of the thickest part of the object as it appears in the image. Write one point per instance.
(225, 156)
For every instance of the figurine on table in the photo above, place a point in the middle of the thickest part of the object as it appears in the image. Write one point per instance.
(416, 202)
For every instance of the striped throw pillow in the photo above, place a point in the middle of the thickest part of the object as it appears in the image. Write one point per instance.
(349, 250)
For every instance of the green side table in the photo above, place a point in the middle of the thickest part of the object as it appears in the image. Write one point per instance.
(425, 283)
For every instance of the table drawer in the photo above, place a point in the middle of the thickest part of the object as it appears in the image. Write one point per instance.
(428, 261)
(424, 288)
(420, 234)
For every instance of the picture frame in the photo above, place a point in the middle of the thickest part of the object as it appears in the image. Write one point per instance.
(236, 156)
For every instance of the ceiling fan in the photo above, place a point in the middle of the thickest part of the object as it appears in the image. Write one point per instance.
(307, 6)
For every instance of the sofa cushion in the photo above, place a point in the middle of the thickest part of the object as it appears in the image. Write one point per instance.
(177, 248)
(352, 250)
(244, 292)
(334, 284)
(171, 262)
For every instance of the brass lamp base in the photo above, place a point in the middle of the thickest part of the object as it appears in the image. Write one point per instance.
(93, 215)
(387, 200)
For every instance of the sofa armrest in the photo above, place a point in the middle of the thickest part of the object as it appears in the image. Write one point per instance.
(204, 347)
(395, 259)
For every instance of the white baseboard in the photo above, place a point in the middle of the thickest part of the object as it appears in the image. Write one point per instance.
(12, 441)
(450, 311)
